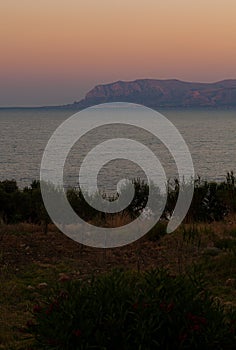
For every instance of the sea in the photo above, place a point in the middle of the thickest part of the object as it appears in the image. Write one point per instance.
(24, 133)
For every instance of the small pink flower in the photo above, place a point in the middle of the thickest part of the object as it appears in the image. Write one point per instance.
(29, 324)
(182, 337)
(190, 316)
(37, 308)
(203, 320)
(170, 307)
(196, 327)
(77, 332)
(63, 294)
(52, 342)
(50, 309)
(163, 306)
(232, 326)
(63, 277)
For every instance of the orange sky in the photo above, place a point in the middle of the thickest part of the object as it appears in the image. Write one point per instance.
(52, 51)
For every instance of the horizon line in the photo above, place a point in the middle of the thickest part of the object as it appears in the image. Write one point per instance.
(114, 82)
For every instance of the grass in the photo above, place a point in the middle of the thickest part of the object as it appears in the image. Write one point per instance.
(30, 260)
(220, 272)
(16, 299)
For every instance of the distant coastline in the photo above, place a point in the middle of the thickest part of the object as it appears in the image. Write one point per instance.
(157, 94)
(76, 109)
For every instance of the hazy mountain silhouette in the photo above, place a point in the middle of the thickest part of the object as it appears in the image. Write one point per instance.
(163, 93)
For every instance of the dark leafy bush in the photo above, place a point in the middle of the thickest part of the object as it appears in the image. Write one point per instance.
(228, 244)
(125, 311)
(157, 232)
(8, 186)
(232, 233)
(18, 205)
(211, 201)
(208, 203)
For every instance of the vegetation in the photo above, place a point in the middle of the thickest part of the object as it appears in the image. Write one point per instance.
(35, 267)
(173, 291)
(211, 202)
(123, 310)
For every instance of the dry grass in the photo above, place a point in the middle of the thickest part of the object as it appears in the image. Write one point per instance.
(112, 220)
(23, 228)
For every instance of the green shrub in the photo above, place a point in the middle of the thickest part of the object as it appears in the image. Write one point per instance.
(157, 231)
(232, 233)
(227, 244)
(125, 311)
(191, 234)
(211, 201)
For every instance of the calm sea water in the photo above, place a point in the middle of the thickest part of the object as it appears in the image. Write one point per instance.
(24, 133)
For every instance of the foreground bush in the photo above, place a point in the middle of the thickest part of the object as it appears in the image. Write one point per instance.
(126, 311)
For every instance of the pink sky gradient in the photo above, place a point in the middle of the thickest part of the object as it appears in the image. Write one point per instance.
(53, 52)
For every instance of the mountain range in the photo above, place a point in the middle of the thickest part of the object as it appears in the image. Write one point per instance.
(156, 93)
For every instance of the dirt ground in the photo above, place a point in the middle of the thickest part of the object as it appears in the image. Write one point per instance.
(20, 250)
(24, 244)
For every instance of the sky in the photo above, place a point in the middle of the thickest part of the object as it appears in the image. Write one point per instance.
(54, 51)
